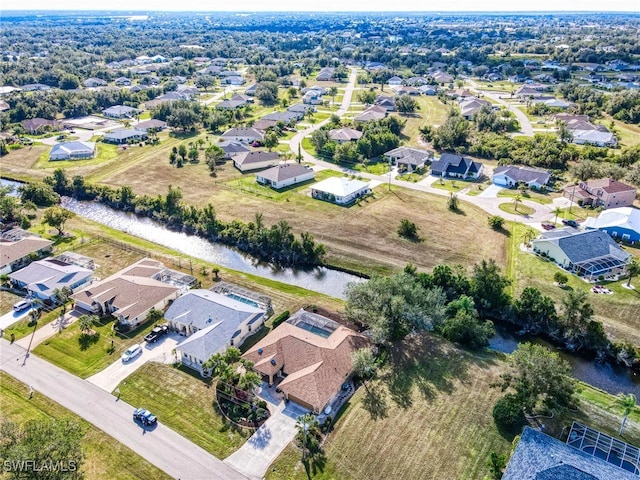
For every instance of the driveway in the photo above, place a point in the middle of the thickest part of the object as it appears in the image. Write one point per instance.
(264, 446)
(12, 317)
(490, 192)
(161, 351)
(161, 446)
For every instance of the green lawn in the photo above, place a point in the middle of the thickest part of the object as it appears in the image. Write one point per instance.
(374, 166)
(105, 151)
(543, 198)
(431, 406)
(84, 356)
(185, 403)
(25, 327)
(105, 458)
(451, 185)
(619, 312)
(520, 209)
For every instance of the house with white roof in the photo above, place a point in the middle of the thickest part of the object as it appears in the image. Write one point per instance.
(125, 135)
(622, 223)
(212, 322)
(120, 111)
(340, 190)
(72, 151)
(243, 134)
(43, 277)
(285, 175)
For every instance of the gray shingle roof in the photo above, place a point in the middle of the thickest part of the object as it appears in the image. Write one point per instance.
(285, 171)
(524, 174)
(541, 457)
(582, 246)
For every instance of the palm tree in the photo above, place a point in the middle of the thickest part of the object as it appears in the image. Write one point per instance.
(528, 235)
(333, 91)
(517, 199)
(86, 322)
(307, 426)
(633, 269)
(556, 211)
(626, 401)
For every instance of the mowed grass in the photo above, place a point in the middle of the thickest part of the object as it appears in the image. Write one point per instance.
(105, 458)
(620, 312)
(185, 404)
(514, 209)
(428, 416)
(543, 198)
(86, 355)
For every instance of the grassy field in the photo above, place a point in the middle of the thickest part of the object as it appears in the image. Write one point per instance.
(85, 355)
(184, 403)
(628, 134)
(428, 416)
(105, 458)
(543, 198)
(452, 185)
(620, 312)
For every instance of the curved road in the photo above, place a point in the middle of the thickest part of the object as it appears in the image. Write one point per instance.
(541, 213)
(161, 446)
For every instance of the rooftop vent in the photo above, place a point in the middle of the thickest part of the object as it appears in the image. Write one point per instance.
(259, 351)
(273, 361)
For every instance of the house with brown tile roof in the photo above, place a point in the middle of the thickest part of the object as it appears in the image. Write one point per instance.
(16, 254)
(310, 356)
(603, 192)
(132, 292)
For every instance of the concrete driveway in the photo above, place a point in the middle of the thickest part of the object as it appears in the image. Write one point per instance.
(12, 317)
(490, 192)
(264, 446)
(161, 351)
(161, 446)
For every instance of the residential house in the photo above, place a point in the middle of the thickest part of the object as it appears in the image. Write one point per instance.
(409, 159)
(4, 106)
(386, 102)
(132, 292)
(120, 111)
(441, 77)
(251, 90)
(169, 97)
(153, 124)
(511, 176)
(585, 132)
(212, 322)
(603, 192)
(622, 223)
(232, 148)
(124, 136)
(343, 135)
(590, 254)
(123, 82)
(469, 106)
(245, 98)
(72, 151)
(309, 357)
(18, 252)
(246, 162)
(394, 81)
(236, 80)
(406, 90)
(94, 82)
(428, 90)
(42, 278)
(33, 87)
(301, 109)
(285, 175)
(244, 135)
(287, 117)
(230, 104)
(39, 125)
(538, 456)
(372, 113)
(340, 190)
(312, 97)
(264, 124)
(456, 166)
(417, 81)
(325, 74)
(372, 66)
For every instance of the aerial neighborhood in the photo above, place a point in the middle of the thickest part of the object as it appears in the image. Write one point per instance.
(320, 245)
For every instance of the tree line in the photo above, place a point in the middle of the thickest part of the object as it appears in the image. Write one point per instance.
(276, 244)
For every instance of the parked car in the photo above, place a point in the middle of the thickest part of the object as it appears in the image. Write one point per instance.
(157, 332)
(132, 352)
(548, 226)
(21, 305)
(143, 416)
(570, 223)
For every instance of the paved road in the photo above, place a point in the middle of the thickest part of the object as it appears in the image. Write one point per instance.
(525, 124)
(161, 446)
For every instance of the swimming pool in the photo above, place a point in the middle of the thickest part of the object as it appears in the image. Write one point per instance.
(314, 329)
(242, 299)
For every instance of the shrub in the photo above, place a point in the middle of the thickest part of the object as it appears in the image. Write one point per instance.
(408, 229)
(560, 278)
(507, 412)
(496, 222)
(280, 318)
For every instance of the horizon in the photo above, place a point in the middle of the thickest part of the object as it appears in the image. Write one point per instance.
(335, 6)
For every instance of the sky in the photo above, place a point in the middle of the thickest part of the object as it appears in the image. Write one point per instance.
(336, 5)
